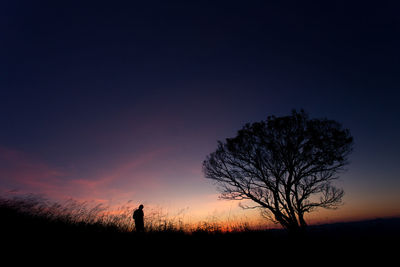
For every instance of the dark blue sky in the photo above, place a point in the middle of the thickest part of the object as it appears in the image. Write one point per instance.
(88, 87)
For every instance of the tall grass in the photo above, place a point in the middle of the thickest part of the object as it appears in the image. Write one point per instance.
(33, 223)
(104, 218)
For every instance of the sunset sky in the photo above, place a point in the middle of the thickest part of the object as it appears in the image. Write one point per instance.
(113, 101)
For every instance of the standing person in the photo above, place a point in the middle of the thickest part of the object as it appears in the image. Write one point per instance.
(138, 217)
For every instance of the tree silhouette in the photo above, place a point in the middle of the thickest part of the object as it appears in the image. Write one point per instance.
(286, 165)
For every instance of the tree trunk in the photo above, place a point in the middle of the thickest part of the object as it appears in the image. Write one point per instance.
(303, 223)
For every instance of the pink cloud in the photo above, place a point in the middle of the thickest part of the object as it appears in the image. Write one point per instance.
(27, 174)
(121, 180)
(19, 171)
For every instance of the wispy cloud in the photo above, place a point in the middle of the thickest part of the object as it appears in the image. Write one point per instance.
(22, 172)
(25, 173)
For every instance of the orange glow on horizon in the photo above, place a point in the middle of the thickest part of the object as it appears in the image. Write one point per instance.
(122, 187)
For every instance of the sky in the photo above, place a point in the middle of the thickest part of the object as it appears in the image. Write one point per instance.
(111, 101)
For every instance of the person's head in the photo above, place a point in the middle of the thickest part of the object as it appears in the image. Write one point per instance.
(141, 207)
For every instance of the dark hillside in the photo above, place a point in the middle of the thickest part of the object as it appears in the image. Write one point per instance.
(27, 233)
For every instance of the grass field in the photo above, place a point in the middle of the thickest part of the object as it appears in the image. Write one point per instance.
(30, 226)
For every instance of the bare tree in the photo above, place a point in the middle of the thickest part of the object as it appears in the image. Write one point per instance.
(286, 165)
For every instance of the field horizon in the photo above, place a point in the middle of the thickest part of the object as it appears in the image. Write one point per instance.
(32, 208)
(29, 227)
(156, 219)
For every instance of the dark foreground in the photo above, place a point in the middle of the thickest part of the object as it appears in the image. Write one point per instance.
(26, 238)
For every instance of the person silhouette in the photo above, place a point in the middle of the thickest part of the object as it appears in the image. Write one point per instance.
(138, 217)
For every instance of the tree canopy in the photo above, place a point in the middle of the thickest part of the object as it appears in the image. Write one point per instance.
(285, 165)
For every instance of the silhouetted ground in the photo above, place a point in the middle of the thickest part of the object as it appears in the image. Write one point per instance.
(27, 237)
